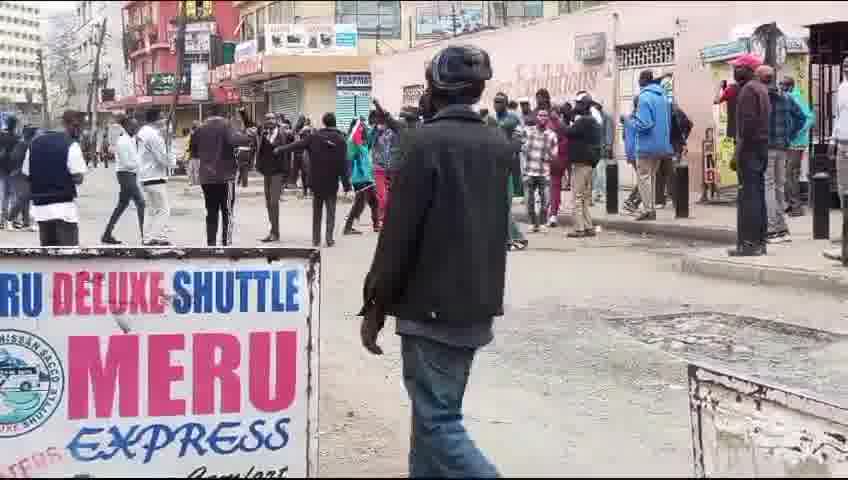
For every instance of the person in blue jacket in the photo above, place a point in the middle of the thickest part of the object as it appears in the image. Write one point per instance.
(628, 131)
(652, 122)
(797, 147)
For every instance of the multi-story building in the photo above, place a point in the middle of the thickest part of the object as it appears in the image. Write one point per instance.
(276, 77)
(20, 39)
(149, 32)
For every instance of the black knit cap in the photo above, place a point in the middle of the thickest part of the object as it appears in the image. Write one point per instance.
(458, 67)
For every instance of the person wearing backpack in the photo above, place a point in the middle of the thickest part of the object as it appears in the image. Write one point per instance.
(8, 140)
(327, 150)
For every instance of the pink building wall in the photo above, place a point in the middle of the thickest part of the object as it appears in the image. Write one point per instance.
(542, 54)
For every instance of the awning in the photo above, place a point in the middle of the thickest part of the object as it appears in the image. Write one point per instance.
(219, 94)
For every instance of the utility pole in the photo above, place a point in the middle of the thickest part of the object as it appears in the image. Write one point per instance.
(45, 114)
(180, 43)
(95, 77)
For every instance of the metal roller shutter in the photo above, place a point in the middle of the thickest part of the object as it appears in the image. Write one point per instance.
(287, 101)
(345, 110)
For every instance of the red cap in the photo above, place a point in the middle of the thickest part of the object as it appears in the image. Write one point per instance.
(748, 60)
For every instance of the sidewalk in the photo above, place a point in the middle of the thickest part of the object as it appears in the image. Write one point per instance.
(706, 223)
(799, 264)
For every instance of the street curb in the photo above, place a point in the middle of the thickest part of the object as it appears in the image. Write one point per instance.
(697, 264)
(680, 232)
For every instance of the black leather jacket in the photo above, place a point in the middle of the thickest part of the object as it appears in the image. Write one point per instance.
(442, 251)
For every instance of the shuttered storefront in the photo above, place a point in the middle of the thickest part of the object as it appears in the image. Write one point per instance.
(285, 95)
(353, 98)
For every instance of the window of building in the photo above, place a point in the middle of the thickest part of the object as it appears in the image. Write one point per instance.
(198, 8)
(248, 27)
(505, 13)
(261, 21)
(576, 5)
(372, 18)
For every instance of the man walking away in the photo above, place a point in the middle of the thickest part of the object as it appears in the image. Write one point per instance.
(785, 122)
(8, 140)
(328, 166)
(653, 142)
(540, 150)
(274, 170)
(797, 146)
(216, 144)
(440, 264)
(55, 166)
(584, 150)
(20, 184)
(126, 168)
(753, 109)
(361, 177)
(154, 163)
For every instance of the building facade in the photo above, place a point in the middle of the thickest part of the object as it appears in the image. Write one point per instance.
(276, 77)
(20, 39)
(149, 32)
(602, 48)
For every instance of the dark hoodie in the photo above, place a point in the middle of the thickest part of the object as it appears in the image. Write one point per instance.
(216, 142)
(328, 160)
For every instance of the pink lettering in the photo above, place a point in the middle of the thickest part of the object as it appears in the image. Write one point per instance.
(138, 302)
(205, 370)
(260, 368)
(161, 374)
(81, 292)
(157, 294)
(62, 289)
(86, 372)
(97, 294)
(118, 293)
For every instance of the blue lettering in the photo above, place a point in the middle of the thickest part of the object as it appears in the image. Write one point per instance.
(292, 290)
(278, 303)
(202, 292)
(244, 289)
(10, 305)
(77, 446)
(189, 439)
(261, 277)
(224, 283)
(182, 298)
(32, 296)
(215, 439)
(148, 442)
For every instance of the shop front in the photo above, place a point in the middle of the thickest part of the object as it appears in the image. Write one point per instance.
(353, 97)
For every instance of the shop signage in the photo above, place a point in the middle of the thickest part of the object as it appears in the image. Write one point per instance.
(197, 36)
(200, 82)
(221, 73)
(724, 51)
(161, 84)
(246, 49)
(353, 80)
(247, 66)
(796, 45)
(311, 39)
(591, 48)
(111, 358)
(441, 19)
(412, 94)
(353, 93)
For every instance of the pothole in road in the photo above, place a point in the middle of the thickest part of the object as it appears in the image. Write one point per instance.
(756, 346)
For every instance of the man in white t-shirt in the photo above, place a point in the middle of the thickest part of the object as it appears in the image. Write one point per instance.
(55, 166)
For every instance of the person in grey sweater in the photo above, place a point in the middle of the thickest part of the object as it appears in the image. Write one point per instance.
(126, 167)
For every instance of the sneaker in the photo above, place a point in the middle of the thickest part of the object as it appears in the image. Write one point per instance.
(630, 208)
(777, 238)
(577, 234)
(331, 243)
(552, 222)
(660, 206)
(32, 228)
(270, 239)
(536, 229)
(646, 217)
(352, 231)
(109, 240)
(747, 251)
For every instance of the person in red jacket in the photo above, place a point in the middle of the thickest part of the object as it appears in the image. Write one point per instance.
(560, 167)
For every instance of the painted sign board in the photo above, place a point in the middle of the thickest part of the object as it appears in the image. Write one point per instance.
(159, 363)
(745, 428)
(311, 39)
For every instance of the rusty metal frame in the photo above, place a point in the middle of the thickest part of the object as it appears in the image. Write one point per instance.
(703, 377)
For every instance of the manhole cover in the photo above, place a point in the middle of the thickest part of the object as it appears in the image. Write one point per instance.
(758, 346)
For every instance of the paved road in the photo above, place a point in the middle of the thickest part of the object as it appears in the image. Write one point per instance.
(570, 386)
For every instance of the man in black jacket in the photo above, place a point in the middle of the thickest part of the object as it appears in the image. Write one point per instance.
(584, 152)
(440, 262)
(327, 151)
(274, 169)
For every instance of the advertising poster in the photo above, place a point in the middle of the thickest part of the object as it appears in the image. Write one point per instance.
(195, 363)
(440, 20)
(725, 146)
(311, 39)
(199, 82)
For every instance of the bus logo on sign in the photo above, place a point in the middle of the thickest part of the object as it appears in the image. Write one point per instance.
(32, 382)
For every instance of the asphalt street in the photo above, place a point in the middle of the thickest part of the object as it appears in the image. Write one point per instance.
(578, 380)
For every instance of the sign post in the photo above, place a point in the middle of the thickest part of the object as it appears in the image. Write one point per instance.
(159, 363)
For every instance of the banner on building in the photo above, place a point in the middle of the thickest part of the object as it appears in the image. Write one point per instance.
(161, 84)
(181, 363)
(200, 82)
(311, 39)
(444, 18)
(197, 37)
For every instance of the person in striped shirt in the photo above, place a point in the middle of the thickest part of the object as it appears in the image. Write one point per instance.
(539, 150)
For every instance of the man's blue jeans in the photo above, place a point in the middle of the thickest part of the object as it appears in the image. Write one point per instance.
(436, 375)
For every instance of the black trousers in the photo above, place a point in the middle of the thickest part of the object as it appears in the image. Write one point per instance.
(273, 190)
(130, 191)
(365, 194)
(299, 167)
(664, 182)
(220, 200)
(751, 218)
(20, 185)
(319, 203)
(58, 233)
